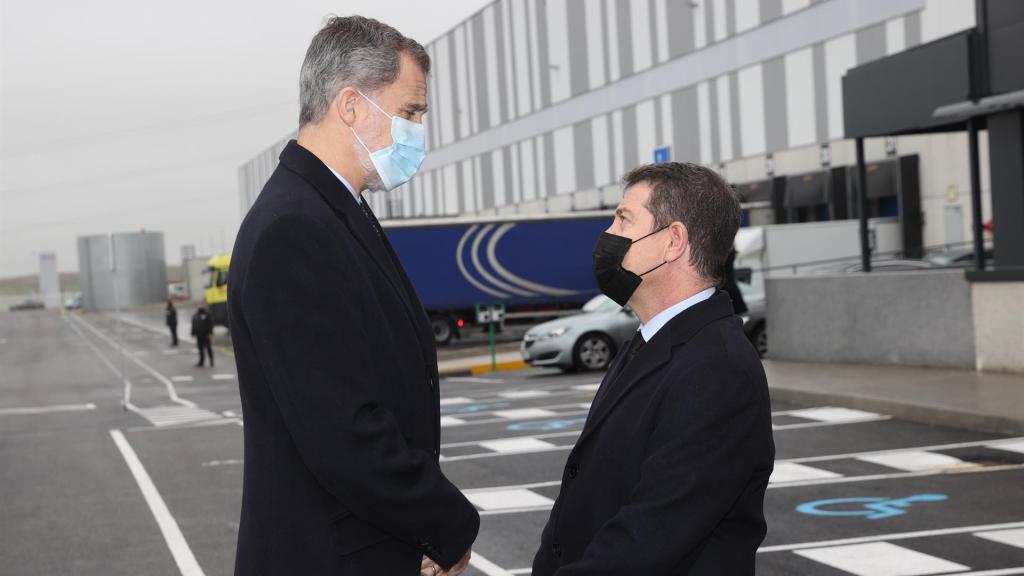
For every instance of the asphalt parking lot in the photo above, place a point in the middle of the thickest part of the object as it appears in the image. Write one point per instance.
(89, 487)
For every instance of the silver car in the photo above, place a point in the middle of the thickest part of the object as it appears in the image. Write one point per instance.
(586, 341)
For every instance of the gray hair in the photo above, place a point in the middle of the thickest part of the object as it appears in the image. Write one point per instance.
(351, 51)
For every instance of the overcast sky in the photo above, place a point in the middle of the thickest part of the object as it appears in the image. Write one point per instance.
(120, 115)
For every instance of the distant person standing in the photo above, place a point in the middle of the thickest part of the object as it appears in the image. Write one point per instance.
(171, 317)
(202, 330)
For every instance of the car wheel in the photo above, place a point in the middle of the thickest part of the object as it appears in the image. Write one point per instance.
(443, 331)
(759, 338)
(593, 351)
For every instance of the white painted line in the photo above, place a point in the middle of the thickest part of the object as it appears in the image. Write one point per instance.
(183, 556)
(456, 400)
(538, 436)
(447, 421)
(986, 443)
(516, 445)
(1015, 445)
(483, 455)
(914, 460)
(507, 499)
(830, 414)
(587, 387)
(171, 392)
(520, 571)
(892, 536)
(790, 472)
(881, 559)
(487, 567)
(836, 423)
(223, 376)
(46, 409)
(181, 378)
(228, 462)
(524, 413)
(524, 394)
(996, 572)
(1013, 537)
(229, 414)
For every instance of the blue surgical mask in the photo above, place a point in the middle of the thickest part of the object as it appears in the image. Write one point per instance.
(398, 163)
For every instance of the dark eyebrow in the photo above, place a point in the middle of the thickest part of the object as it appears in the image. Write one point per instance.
(621, 212)
(414, 108)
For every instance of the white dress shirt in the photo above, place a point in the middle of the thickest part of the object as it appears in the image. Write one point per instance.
(651, 328)
(357, 197)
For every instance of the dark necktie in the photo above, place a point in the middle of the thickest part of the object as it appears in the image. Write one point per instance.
(634, 346)
(369, 216)
(630, 352)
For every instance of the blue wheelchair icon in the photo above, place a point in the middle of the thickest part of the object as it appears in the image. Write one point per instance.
(871, 508)
(546, 425)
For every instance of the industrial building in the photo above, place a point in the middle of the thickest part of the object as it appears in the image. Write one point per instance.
(543, 105)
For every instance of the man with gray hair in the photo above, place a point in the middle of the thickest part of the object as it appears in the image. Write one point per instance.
(336, 360)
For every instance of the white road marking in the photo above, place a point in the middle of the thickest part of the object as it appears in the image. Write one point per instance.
(161, 416)
(181, 378)
(228, 462)
(587, 387)
(223, 376)
(914, 460)
(487, 567)
(448, 421)
(832, 414)
(507, 499)
(791, 472)
(820, 424)
(1013, 445)
(999, 444)
(892, 536)
(880, 559)
(456, 400)
(518, 445)
(183, 557)
(46, 409)
(171, 392)
(1014, 537)
(524, 394)
(524, 413)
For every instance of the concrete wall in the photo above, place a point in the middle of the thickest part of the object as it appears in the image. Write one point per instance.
(999, 326)
(901, 318)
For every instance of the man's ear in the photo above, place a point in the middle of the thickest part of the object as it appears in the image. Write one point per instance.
(680, 241)
(345, 104)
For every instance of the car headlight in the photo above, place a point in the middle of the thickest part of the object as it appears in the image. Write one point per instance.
(553, 333)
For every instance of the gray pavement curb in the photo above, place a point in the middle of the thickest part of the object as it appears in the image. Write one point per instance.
(921, 414)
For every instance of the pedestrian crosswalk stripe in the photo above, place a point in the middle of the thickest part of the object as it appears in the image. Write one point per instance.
(513, 445)
(181, 378)
(1016, 445)
(507, 499)
(170, 415)
(793, 472)
(831, 414)
(880, 559)
(454, 401)
(524, 394)
(587, 387)
(1013, 537)
(447, 421)
(223, 376)
(913, 460)
(523, 413)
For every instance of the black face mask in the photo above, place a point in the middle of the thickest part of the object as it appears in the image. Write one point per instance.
(613, 280)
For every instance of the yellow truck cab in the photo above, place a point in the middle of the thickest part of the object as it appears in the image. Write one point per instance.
(217, 288)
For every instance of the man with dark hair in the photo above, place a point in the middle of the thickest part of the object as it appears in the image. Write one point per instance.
(202, 331)
(171, 319)
(336, 360)
(669, 473)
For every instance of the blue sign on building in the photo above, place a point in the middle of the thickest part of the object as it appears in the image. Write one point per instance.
(662, 155)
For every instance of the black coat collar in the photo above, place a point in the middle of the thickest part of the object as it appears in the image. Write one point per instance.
(313, 170)
(654, 354)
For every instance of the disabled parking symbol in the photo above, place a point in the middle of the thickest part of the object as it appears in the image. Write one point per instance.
(546, 425)
(870, 508)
